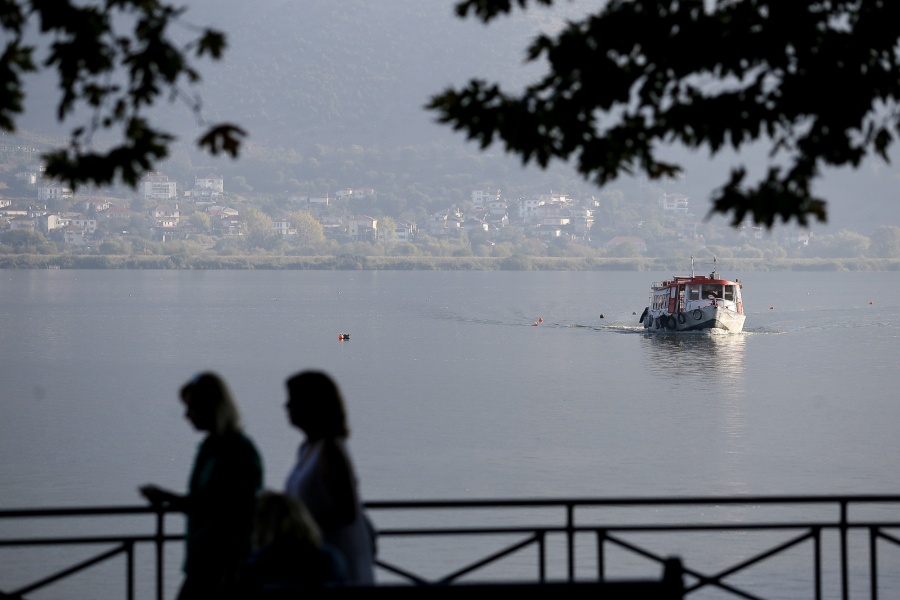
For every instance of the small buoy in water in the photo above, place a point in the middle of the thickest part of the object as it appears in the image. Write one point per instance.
(771, 308)
(871, 303)
(634, 313)
(540, 319)
(344, 336)
(534, 324)
(602, 316)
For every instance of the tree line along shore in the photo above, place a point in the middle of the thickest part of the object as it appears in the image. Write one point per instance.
(397, 263)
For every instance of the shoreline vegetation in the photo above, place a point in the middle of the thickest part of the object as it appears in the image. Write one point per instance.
(402, 263)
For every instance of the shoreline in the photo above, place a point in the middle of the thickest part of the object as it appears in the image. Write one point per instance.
(399, 263)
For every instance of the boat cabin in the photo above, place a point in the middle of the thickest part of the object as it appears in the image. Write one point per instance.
(684, 294)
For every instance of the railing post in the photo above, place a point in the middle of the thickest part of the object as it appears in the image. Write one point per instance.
(160, 532)
(570, 538)
(129, 568)
(845, 583)
(817, 550)
(601, 538)
(873, 559)
(542, 556)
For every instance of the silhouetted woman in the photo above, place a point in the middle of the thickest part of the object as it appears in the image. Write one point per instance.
(222, 490)
(323, 476)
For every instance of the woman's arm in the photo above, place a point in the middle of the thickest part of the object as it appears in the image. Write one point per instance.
(161, 498)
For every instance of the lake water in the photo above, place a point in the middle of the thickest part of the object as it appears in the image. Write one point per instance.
(452, 393)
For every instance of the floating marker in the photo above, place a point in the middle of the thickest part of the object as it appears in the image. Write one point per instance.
(344, 336)
(871, 303)
(534, 324)
(541, 319)
(771, 308)
(602, 316)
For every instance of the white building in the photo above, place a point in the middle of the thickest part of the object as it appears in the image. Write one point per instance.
(54, 191)
(483, 197)
(211, 181)
(363, 229)
(74, 236)
(281, 226)
(86, 224)
(674, 202)
(156, 186)
(528, 208)
(21, 223)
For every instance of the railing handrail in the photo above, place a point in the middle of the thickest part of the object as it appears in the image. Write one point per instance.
(811, 531)
(497, 503)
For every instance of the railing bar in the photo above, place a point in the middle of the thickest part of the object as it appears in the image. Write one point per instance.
(845, 584)
(570, 539)
(889, 537)
(601, 567)
(542, 556)
(703, 578)
(423, 504)
(827, 499)
(66, 572)
(817, 549)
(398, 571)
(112, 539)
(873, 561)
(763, 556)
(160, 552)
(488, 559)
(129, 577)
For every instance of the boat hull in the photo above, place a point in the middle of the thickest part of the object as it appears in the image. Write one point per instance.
(708, 317)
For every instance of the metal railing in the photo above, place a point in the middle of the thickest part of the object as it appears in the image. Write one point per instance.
(570, 526)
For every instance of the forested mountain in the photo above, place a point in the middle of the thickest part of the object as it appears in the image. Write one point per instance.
(332, 95)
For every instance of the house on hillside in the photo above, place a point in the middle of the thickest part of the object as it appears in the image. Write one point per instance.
(281, 226)
(116, 211)
(677, 203)
(85, 223)
(73, 236)
(210, 182)
(528, 208)
(485, 197)
(156, 186)
(363, 229)
(21, 223)
(405, 231)
(54, 191)
(98, 204)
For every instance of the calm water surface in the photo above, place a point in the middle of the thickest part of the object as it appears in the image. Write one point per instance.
(451, 391)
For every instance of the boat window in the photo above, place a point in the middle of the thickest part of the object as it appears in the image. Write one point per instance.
(729, 293)
(712, 290)
(693, 292)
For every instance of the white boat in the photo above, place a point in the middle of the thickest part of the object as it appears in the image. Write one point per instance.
(694, 303)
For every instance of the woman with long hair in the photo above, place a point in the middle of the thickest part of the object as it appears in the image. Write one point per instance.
(323, 477)
(222, 489)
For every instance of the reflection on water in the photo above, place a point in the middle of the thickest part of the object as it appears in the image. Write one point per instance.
(699, 356)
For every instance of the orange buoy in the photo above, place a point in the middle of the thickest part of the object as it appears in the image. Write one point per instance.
(871, 303)
(541, 319)
(771, 308)
(340, 336)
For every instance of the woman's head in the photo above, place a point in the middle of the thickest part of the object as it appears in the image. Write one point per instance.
(315, 405)
(280, 517)
(209, 404)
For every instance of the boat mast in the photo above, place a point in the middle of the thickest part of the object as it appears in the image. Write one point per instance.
(692, 266)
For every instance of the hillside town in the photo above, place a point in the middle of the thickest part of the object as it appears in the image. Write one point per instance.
(207, 218)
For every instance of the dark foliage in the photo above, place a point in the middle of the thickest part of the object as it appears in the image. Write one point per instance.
(819, 79)
(90, 56)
